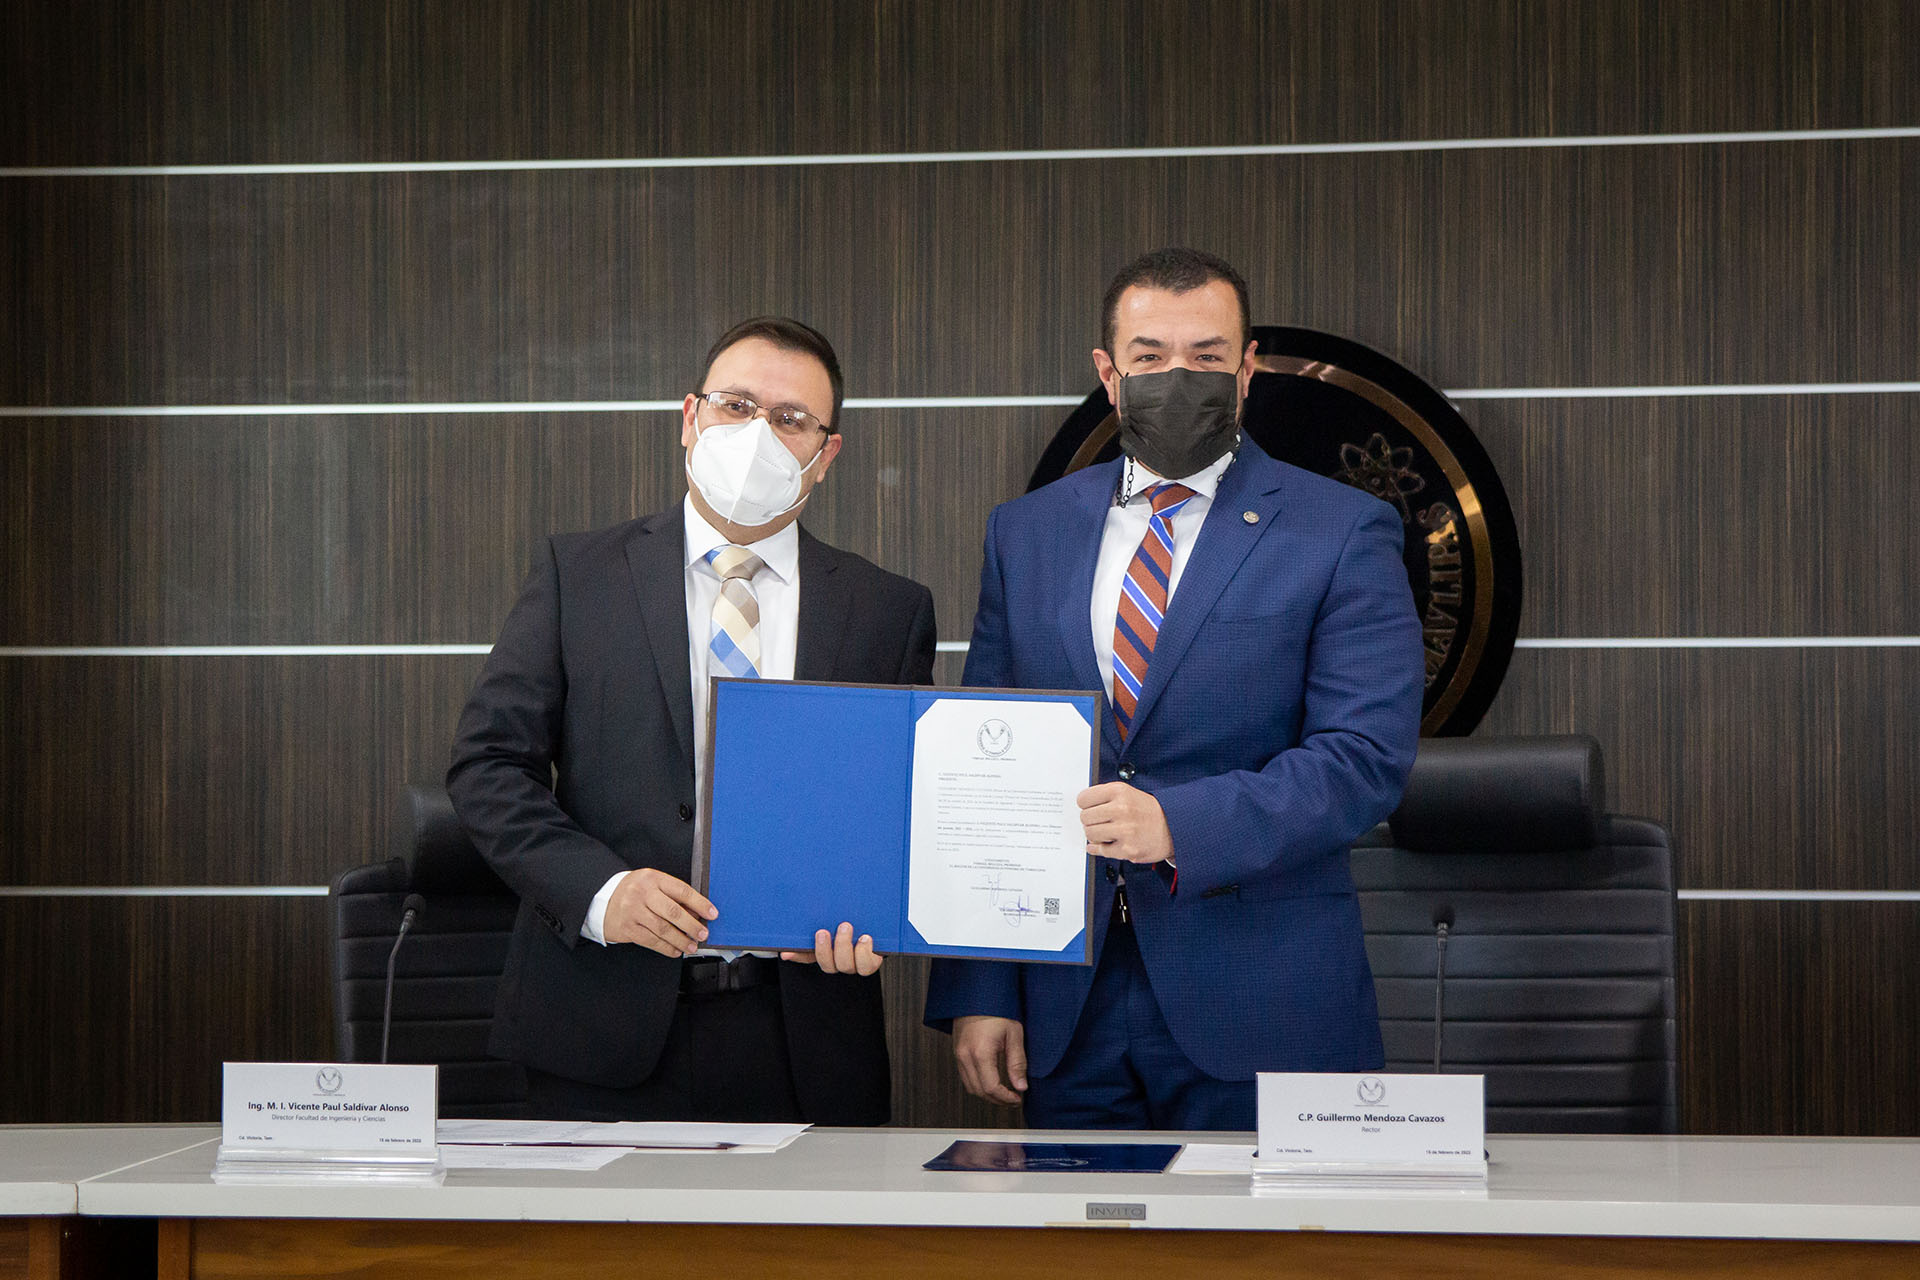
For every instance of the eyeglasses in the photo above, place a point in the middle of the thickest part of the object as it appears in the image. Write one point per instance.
(785, 419)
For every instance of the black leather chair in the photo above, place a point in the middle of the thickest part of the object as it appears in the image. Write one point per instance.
(448, 969)
(1560, 960)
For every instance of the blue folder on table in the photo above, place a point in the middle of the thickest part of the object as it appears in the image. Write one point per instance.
(807, 814)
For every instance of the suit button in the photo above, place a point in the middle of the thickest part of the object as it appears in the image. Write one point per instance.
(1126, 772)
(1113, 873)
(686, 813)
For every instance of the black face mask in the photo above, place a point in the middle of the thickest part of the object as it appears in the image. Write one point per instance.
(1176, 422)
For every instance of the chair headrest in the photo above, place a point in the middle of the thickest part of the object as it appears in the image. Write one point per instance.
(440, 858)
(1503, 795)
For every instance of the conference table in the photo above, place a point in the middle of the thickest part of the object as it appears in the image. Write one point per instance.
(849, 1203)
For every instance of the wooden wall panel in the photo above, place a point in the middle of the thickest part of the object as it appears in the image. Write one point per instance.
(1772, 768)
(419, 529)
(1807, 1031)
(222, 770)
(199, 981)
(926, 1084)
(134, 1003)
(325, 530)
(1775, 769)
(1799, 1017)
(1726, 263)
(1665, 517)
(14, 1247)
(210, 81)
(1712, 516)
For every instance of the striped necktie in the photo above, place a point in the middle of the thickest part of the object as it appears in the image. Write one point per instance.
(1143, 602)
(735, 638)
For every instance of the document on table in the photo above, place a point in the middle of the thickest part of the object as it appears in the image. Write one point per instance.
(1214, 1157)
(996, 855)
(954, 829)
(455, 1155)
(628, 1135)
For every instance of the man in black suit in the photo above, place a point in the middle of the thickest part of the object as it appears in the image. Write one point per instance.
(575, 772)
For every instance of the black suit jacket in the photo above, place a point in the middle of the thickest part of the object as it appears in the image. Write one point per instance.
(574, 761)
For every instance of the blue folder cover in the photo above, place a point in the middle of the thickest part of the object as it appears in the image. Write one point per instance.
(971, 1156)
(808, 808)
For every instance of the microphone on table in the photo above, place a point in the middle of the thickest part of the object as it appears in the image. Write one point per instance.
(1442, 926)
(409, 912)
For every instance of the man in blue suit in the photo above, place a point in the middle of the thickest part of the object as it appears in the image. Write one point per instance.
(1252, 630)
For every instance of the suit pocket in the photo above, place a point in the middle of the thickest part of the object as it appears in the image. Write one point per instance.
(1262, 660)
(1288, 621)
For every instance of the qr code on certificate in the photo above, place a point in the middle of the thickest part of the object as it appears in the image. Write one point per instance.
(1052, 906)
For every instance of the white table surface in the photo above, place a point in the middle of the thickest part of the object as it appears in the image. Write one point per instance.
(41, 1166)
(1793, 1188)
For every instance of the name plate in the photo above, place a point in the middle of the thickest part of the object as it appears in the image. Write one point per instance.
(329, 1106)
(1383, 1122)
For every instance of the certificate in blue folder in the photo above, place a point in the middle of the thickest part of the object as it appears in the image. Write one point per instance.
(943, 822)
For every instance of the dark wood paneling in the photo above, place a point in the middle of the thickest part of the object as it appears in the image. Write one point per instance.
(1715, 517)
(1795, 1017)
(195, 982)
(926, 1083)
(249, 771)
(122, 1009)
(335, 530)
(912, 489)
(419, 530)
(166, 81)
(1484, 268)
(1750, 516)
(1772, 768)
(1799, 1017)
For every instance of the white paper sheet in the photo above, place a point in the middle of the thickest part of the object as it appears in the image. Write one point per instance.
(998, 857)
(667, 1135)
(1213, 1157)
(653, 1135)
(579, 1159)
(502, 1132)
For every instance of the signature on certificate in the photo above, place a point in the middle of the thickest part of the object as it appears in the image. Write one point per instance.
(1013, 904)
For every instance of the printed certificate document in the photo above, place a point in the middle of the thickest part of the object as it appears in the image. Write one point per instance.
(940, 821)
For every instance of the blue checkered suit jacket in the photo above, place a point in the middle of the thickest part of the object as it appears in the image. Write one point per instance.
(1277, 722)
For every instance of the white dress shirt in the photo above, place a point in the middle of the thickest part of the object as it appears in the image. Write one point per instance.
(1120, 540)
(777, 589)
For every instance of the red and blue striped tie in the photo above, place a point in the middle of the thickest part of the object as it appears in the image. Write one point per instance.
(1143, 602)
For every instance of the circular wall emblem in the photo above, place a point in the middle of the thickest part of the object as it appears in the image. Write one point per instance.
(1372, 1090)
(328, 1079)
(1343, 410)
(995, 738)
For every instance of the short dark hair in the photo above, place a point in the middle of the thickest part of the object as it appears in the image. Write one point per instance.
(788, 335)
(1178, 271)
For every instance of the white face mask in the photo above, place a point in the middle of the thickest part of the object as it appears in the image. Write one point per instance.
(745, 474)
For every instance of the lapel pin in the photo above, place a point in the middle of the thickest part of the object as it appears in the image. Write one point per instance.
(1250, 517)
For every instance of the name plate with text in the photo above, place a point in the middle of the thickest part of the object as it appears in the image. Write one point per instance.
(329, 1106)
(1385, 1124)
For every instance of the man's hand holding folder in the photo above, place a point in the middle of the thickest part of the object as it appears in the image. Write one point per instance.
(664, 913)
(839, 953)
(659, 912)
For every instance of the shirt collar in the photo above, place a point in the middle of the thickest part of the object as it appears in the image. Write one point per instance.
(1203, 482)
(780, 551)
